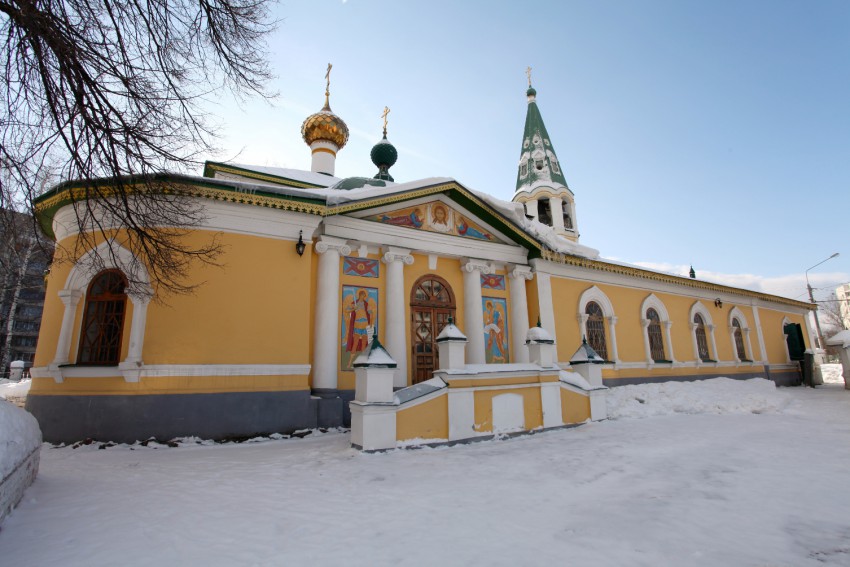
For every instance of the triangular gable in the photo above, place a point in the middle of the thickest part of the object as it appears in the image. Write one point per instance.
(435, 215)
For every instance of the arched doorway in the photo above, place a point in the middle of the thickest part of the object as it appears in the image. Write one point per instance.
(431, 304)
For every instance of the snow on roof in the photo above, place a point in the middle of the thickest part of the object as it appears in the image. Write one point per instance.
(585, 354)
(311, 177)
(840, 339)
(375, 356)
(451, 333)
(538, 335)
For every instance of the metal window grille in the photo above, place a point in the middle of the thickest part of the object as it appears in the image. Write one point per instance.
(596, 329)
(103, 322)
(739, 340)
(656, 342)
(702, 341)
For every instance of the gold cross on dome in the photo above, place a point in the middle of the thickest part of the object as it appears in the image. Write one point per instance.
(528, 73)
(384, 116)
(328, 78)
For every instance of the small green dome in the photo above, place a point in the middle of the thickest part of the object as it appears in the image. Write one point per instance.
(531, 92)
(384, 154)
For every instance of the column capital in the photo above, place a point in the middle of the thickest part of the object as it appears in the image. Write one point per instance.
(470, 265)
(612, 319)
(393, 254)
(667, 324)
(644, 323)
(70, 297)
(518, 272)
(582, 318)
(327, 243)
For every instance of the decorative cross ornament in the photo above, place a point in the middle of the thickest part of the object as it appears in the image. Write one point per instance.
(328, 79)
(528, 73)
(384, 116)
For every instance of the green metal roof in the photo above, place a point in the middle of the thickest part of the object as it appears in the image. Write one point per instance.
(535, 129)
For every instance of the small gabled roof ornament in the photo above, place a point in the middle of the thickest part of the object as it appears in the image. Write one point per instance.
(451, 333)
(692, 273)
(384, 154)
(375, 356)
(538, 335)
(586, 355)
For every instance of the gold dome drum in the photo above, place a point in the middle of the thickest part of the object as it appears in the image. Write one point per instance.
(325, 125)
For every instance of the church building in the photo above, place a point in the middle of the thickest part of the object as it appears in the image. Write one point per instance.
(316, 267)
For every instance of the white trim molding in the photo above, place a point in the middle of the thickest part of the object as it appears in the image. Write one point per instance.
(598, 296)
(109, 255)
(736, 313)
(698, 307)
(653, 301)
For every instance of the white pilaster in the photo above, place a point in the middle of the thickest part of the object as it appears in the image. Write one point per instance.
(667, 325)
(531, 208)
(759, 335)
(710, 329)
(131, 367)
(396, 332)
(645, 324)
(612, 335)
(326, 325)
(545, 306)
(473, 310)
(695, 342)
(556, 209)
(519, 311)
(71, 298)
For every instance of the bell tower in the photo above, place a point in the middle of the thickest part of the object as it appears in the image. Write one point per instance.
(540, 184)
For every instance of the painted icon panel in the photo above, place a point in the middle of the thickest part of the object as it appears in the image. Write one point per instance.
(353, 266)
(359, 322)
(435, 216)
(492, 281)
(495, 330)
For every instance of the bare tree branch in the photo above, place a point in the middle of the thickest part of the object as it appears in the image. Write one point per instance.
(111, 93)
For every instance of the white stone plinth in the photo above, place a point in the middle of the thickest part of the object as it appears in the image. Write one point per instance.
(374, 385)
(373, 427)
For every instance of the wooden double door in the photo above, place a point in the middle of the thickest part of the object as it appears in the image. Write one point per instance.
(431, 304)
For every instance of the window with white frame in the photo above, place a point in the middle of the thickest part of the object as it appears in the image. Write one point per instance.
(702, 338)
(596, 329)
(738, 335)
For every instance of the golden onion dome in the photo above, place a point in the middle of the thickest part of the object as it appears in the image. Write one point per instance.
(325, 125)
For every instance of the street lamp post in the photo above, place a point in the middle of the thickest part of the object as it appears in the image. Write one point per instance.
(812, 298)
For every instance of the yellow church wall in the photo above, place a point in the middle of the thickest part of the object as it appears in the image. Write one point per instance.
(774, 334)
(427, 420)
(532, 406)
(255, 309)
(575, 408)
(533, 300)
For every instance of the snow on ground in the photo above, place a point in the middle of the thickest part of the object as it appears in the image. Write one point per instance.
(729, 487)
(832, 374)
(720, 395)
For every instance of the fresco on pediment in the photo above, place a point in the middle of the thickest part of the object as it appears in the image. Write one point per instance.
(435, 216)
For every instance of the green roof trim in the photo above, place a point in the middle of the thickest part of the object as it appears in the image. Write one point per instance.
(212, 166)
(62, 194)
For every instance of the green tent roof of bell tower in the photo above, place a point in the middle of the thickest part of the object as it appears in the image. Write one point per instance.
(536, 141)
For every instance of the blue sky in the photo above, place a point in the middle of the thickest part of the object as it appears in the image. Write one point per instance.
(712, 133)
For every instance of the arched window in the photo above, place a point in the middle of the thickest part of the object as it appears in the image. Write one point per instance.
(596, 329)
(653, 331)
(702, 340)
(544, 213)
(739, 339)
(103, 320)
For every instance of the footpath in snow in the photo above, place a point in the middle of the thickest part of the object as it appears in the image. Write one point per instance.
(702, 474)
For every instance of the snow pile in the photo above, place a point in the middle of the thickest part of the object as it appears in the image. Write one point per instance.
(10, 389)
(831, 374)
(19, 436)
(718, 395)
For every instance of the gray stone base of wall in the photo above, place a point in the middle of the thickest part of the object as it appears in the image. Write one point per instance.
(12, 487)
(126, 419)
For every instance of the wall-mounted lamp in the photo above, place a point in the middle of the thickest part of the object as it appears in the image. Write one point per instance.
(718, 303)
(300, 246)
